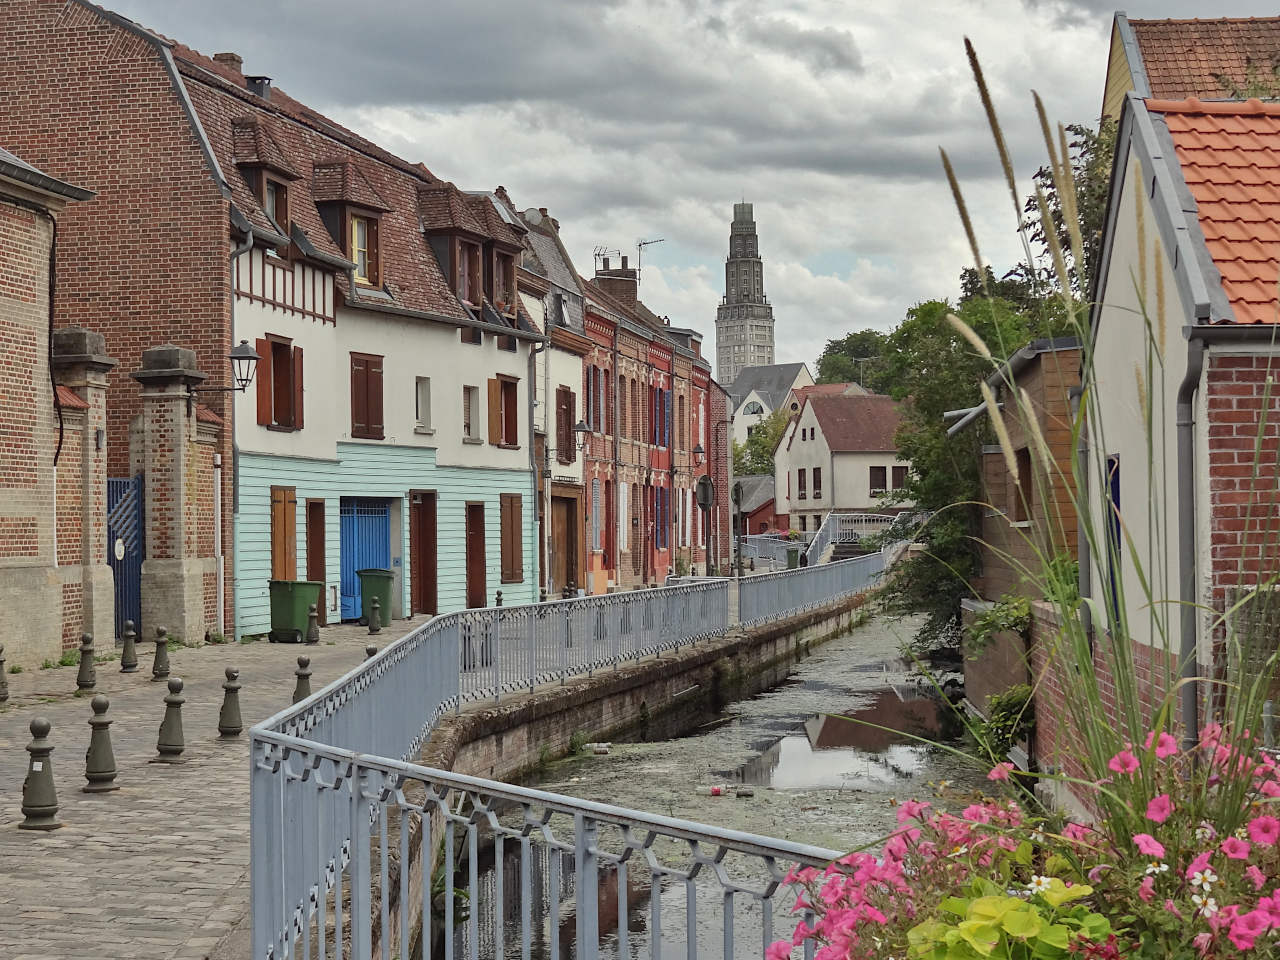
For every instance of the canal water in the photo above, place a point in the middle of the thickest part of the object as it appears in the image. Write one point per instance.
(819, 759)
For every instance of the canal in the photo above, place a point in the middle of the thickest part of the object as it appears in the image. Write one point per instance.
(814, 759)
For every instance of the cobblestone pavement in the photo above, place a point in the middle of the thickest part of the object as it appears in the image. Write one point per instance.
(159, 868)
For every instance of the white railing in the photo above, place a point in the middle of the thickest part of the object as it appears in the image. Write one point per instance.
(773, 596)
(844, 528)
(766, 546)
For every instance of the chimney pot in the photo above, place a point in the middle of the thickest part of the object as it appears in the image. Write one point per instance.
(543, 211)
(606, 263)
(259, 86)
(229, 59)
(624, 262)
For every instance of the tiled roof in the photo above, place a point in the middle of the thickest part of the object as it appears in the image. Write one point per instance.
(830, 390)
(254, 144)
(18, 169)
(443, 206)
(858, 424)
(342, 181)
(205, 415)
(757, 490)
(1206, 58)
(771, 381)
(68, 399)
(1230, 158)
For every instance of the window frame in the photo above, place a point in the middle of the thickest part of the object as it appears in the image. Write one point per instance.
(422, 424)
(470, 399)
(268, 382)
(281, 190)
(884, 480)
(373, 268)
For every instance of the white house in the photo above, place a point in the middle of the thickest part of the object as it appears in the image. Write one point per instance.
(837, 453)
(759, 391)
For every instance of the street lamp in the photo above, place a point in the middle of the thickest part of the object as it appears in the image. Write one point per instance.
(244, 363)
(580, 431)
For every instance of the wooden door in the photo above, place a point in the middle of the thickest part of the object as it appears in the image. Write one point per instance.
(477, 595)
(284, 542)
(564, 542)
(423, 572)
(315, 552)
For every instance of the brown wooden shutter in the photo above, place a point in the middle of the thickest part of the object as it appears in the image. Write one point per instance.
(297, 388)
(516, 510)
(573, 440)
(265, 383)
(495, 411)
(375, 261)
(375, 397)
(359, 396)
(284, 538)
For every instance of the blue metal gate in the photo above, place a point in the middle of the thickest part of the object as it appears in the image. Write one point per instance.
(365, 542)
(126, 547)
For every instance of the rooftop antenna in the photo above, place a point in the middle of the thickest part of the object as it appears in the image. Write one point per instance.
(604, 255)
(640, 245)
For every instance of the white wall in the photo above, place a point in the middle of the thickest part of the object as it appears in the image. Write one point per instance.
(566, 370)
(853, 480)
(743, 421)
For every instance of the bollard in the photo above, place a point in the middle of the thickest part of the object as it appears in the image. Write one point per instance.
(39, 798)
(160, 668)
(229, 723)
(129, 653)
(4, 678)
(302, 689)
(100, 760)
(170, 744)
(497, 599)
(375, 616)
(313, 625)
(370, 652)
(87, 678)
(542, 595)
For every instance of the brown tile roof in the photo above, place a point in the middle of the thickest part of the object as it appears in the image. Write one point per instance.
(342, 181)
(830, 390)
(443, 206)
(205, 415)
(254, 145)
(1206, 58)
(858, 424)
(1230, 157)
(68, 399)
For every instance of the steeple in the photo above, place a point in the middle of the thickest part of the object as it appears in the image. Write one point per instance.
(744, 320)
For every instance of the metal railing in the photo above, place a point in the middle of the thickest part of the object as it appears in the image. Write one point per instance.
(766, 546)
(335, 808)
(844, 528)
(773, 596)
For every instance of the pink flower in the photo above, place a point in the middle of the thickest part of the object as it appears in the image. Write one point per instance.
(1123, 762)
(1199, 864)
(1166, 746)
(1202, 942)
(1270, 788)
(1147, 889)
(1210, 735)
(911, 810)
(778, 951)
(1075, 831)
(1235, 848)
(1246, 928)
(1148, 845)
(1255, 876)
(1159, 808)
(1264, 830)
(976, 813)
(1168, 905)
(1000, 771)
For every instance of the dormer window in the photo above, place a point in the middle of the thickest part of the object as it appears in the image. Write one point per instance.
(275, 201)
(363, 249)
(504, 287)
(469, 281)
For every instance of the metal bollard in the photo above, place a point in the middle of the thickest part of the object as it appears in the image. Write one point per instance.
(497, 599)
(229, 723)
(313, 625)
(87, 678)
(370, 652)
(302, 689)
(542, 595)
(129, 653)
(100, 760)
(170, 743)
(39, 798)
(375, 616)
(4, 678)
(160, 667)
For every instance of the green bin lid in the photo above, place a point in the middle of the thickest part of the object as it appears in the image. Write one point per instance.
(375, 570)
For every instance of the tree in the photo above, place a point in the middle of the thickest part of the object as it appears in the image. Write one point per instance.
(855, 358)
(756, 455)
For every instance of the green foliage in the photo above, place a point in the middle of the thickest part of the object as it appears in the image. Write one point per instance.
(858, 357)
(216, 638)
(577, 740)
(756, 455)
(682, 566)
(1259, 83)
(69, 658)
(1011, 719)
(15, 668)
(1010, 613)
(48, 665)
(993, 923)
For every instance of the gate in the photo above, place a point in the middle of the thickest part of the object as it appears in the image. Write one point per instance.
(364, 542)
(126, 548)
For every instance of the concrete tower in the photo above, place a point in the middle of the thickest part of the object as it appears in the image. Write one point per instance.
(744, 320)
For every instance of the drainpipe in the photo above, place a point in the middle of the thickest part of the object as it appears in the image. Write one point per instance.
(1196, 348)
(617, 467)
(244, 246)
(534, 467)
(1084, 571)
(217, 536)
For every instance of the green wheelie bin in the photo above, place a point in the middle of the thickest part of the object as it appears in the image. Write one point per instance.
(291, 602)
(375, 583)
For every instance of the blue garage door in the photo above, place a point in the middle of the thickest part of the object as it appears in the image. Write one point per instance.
(365, 541)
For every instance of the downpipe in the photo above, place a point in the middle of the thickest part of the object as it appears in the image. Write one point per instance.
(1187, 390)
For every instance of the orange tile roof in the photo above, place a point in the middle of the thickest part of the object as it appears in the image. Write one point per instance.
(1206, 58)
(1230, 157)
(68, 399)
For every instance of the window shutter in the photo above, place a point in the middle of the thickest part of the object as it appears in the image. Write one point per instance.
(297, 388)
(504, 536)
(595, 514)
(495, 411)
(375, 262)
(263, 348)
(359, 396)
(517, 537)
(375, 397)
(572, 445)
(623, 522)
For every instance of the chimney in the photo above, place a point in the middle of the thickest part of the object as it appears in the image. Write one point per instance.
(620, 283)
(624, 261)
(232, 60)
(543, 211)
(606, 263)
(260, 86)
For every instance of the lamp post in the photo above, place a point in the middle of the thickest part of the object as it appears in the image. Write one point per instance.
(244, 363)
(705, 494)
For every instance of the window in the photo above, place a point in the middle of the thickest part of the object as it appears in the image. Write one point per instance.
(682, 428)
(366, 396)
(817, 483)
(802, 480)
(504, 413)
(275, 200)
(878, 480)
(1023, 502)
(899, 477)
(607, 535)
(511, 510)
(817, 521)
(472, 335)
(470, 413)
(284, 538)
(504, 282)
(595, 514)
(754, 408)
(566, 443)
(279, 383)
(804, 523)
(364, 249)
(468, 281)
(637, 421)
(622, 407)
(623, 523)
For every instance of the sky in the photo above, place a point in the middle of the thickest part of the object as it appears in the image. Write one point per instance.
(645, 120)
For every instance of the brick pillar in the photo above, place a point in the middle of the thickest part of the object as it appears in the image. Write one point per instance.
(80, 362)
(172, 573)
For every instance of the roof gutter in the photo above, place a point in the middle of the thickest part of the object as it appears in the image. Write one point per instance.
(450, 321)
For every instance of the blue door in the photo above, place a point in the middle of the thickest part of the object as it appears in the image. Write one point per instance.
(364, 541)
(126, 547)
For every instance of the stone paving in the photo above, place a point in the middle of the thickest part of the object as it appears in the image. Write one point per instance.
(159, 868)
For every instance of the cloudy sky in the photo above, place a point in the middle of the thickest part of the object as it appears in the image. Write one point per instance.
(632, 120)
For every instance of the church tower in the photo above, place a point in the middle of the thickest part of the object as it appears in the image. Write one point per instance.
(744, 320)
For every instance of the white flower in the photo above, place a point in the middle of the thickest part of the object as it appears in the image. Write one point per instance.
(1206, 905)
(1241, 833)
(1038, 885)
(1037, 836)
(1205, 832)
(1204, 879)
(1155, 867)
